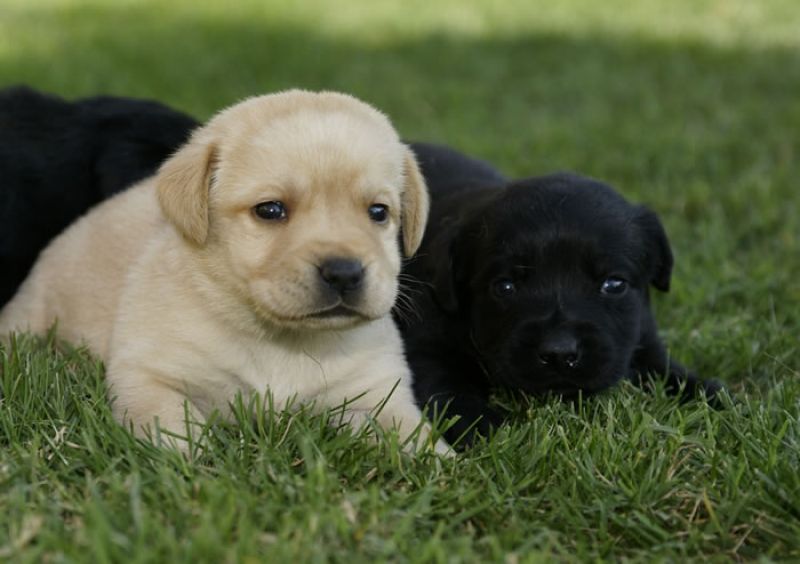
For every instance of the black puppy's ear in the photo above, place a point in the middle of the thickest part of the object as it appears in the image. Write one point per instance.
(442, 262)
(124, 161)
(659, 252)
(133, 138)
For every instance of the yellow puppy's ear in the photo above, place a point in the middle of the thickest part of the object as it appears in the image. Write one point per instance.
(415, 203)
(183, 183)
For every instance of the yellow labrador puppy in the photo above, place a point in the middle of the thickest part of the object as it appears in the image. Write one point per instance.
(263, 257)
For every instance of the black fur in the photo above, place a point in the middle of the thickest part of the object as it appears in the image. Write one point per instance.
(507, 291)
(59, 158)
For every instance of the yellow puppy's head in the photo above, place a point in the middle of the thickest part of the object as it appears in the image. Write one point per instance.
(295, 201)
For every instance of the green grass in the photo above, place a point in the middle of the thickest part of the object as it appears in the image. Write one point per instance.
(690, 106)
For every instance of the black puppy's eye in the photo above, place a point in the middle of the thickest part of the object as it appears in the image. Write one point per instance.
(378, 213)
(271, 211)
(503, 288)
(614, 286)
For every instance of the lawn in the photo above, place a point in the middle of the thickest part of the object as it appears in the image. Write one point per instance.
(689, 106)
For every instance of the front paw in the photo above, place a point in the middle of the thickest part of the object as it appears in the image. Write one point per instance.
(472, 425)
(713, 391)
(710, 389)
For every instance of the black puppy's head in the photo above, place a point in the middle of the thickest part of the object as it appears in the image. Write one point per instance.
(129, 139)
(551, 275)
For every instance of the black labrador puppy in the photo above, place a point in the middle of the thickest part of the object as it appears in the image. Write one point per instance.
(59, 158)
(540, 285)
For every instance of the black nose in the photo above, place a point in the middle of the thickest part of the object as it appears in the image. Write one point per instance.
(561, 351)
(341, 274)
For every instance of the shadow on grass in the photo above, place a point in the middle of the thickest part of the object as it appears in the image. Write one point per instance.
(707, 136)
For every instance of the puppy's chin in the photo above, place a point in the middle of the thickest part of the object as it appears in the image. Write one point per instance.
(334, 316)
(538, 382)
(569, 390)
(287, 306)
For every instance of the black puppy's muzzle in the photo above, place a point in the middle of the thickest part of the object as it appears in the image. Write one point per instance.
(560, 351)
(559, 357)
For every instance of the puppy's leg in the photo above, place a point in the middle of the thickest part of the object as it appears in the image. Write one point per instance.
(651, 360)
(474, 417)
(453, 388)
(27, 311)
(391, 402)
(401, 412)
(155, 411)
(14, 272)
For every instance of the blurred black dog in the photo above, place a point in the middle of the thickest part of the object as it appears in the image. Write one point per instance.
(538, 285)
(59, 158)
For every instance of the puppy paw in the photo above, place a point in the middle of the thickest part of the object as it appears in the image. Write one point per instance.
(468, 429)
(714, 390)
(710, 389)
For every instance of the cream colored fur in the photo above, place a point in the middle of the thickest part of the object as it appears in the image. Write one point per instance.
(189, 296)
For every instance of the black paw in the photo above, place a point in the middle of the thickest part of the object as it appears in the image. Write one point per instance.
(469, 421)
(713, 391)
(710, 389)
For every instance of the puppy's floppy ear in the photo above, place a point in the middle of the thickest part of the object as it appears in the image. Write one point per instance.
(657, 248)
(451, 255)
(415, 204)
(442, 263)
(183, 183)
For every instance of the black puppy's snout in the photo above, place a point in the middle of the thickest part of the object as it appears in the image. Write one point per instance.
(342, 274)
(560, 351)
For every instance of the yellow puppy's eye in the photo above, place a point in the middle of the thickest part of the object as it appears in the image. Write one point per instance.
(270, 211)
(378, 213)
